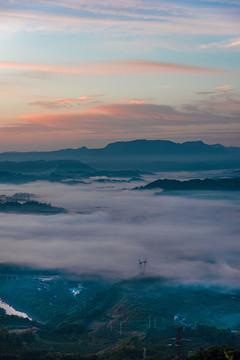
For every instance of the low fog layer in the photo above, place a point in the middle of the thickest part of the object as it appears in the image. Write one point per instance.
(108, 228)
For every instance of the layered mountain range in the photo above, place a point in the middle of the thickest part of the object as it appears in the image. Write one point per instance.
(144, 155)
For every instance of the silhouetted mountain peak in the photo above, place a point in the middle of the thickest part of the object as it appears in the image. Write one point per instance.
(158, 147)
(195, 143)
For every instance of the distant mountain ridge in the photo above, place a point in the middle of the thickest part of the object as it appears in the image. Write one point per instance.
(143, 154)
(142, 146)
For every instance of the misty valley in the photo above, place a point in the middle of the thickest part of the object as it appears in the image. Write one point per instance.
(118, 258)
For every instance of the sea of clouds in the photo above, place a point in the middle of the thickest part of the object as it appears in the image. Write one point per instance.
(187, 237)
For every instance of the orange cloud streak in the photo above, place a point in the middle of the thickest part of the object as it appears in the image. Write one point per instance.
(235, 43)
(136, 102)
(116, 117)
(223, 87)
(118, 121)
(112, 116)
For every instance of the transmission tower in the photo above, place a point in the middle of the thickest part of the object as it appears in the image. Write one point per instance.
(178, 344)
(142, 264)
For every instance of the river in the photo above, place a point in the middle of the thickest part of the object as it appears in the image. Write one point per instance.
(11, 311)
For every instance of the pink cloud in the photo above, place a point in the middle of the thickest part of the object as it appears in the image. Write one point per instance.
(221, 45)
(64, 102)
(124, 67)
(135, 101)
(129, 117)
(216, 90)
(165, 17)
(223, 87)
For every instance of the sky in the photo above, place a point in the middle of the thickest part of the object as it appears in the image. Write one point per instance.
(190, 239)
(86, 73)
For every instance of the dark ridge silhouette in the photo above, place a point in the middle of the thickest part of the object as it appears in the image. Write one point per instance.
(67, 171)
(43, 165)
(196, 184)
(55, 170)
(30, 207)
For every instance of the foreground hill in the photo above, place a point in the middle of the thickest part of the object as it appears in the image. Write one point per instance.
(109, 320)
(103, 304)
(149, 155)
